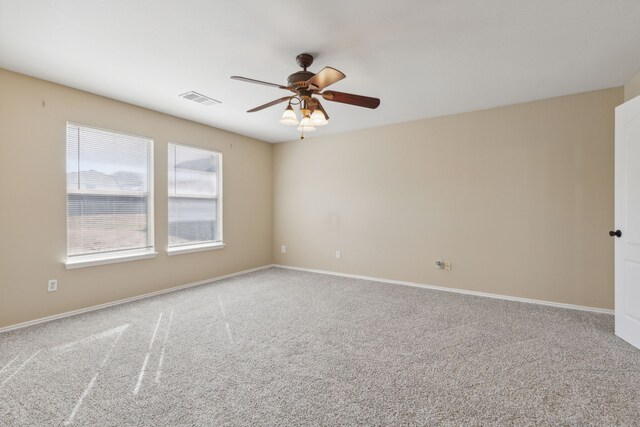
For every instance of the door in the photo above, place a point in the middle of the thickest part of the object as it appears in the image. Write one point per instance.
(627, 219)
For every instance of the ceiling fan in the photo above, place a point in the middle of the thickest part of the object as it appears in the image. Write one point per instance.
(307, 87)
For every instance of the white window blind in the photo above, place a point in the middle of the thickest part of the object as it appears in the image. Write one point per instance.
(194, 196)
(109, 198)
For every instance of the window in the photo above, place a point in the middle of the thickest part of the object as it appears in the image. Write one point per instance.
(195, 205)
(109, 196)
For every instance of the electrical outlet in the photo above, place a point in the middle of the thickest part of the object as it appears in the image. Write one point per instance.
(52, 285)
(447, 265)
(338, 254)
(439, 264)
(283, 249)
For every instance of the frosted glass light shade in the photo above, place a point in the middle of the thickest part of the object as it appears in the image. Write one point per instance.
(306, 124)
(289, 117)
(318, 118)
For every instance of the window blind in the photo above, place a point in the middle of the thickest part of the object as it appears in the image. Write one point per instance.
(108, 191)
(194, 195)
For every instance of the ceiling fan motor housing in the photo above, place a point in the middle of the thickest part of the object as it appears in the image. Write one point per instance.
(299, 79)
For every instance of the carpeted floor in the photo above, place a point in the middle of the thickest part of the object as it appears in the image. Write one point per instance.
(283, 347)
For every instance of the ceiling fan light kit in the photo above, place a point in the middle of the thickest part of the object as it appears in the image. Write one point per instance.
(318, 118)
(289, 117)
(305, 84)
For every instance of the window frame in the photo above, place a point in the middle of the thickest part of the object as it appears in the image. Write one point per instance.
(122, 255)
(199, 246)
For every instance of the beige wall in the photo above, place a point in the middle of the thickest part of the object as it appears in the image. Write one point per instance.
(632, 88)
(32, 201)
(519, 199)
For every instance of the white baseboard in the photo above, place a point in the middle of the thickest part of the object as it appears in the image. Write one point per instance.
(455, 290)
(126, 300)
(332, 273)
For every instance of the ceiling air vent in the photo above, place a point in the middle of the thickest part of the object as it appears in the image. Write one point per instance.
(199, 98)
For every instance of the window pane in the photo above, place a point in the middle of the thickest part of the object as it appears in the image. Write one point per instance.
(107, 191)
(193, 179)
(192, 220)
(101, 160)
(195, 172)
(106, 223)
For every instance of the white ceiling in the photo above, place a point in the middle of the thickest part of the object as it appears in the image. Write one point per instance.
(422, 58)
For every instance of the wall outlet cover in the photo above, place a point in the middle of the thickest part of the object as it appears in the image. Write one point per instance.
(52, 285)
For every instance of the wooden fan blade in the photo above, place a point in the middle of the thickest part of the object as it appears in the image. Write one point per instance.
(260, 82)
(348, 98)
(321, 108)
(325, 77)
(270, 104)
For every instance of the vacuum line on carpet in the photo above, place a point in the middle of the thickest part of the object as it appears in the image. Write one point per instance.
(141, 375)
(106, 358)
(155, 331)
(146, 358)
(90, 338)
(19, 368)
(226, 325)
(224, 315)
(164, 344)
(75, 409)
(79, 402)
(9, 364)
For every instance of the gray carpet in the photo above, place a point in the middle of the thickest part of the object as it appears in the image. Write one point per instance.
(282, 347)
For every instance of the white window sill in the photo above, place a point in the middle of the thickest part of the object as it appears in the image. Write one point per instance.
(90, 260)
(195, 248)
